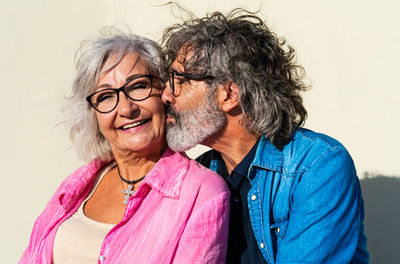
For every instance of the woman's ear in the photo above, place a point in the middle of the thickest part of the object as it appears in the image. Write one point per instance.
(228, 96)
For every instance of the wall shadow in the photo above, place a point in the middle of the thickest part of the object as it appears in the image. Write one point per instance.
(382, 217)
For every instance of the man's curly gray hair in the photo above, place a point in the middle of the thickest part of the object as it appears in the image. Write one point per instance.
(239, 47)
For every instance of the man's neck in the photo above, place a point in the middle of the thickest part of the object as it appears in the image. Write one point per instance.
(233, 145)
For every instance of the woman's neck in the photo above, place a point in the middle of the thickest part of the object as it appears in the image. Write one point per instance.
(134, 165)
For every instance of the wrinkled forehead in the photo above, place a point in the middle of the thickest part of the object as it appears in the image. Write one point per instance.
(117, 67)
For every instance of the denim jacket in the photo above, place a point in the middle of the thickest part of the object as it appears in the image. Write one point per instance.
(305, 203)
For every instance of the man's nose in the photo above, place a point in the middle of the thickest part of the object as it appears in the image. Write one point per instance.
(167, 97)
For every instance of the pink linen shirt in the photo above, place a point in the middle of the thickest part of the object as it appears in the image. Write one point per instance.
(179, 214)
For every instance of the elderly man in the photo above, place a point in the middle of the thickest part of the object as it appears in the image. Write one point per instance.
(235, 87)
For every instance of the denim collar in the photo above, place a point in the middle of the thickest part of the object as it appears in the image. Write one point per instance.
(268, 156)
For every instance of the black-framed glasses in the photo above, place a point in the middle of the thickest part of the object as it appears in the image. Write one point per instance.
(138, 88)
(175, 83)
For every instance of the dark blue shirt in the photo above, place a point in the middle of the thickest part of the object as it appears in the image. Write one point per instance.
(242, 245)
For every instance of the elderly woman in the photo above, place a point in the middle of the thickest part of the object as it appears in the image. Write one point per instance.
(137, 201)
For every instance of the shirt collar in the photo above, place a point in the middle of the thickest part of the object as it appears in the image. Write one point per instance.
(243, 167)
(267, 155)
(78, 184)
(166, 177)
(168, 174)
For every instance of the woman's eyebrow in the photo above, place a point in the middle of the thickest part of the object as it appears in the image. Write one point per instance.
(104, 85)
(134, 76)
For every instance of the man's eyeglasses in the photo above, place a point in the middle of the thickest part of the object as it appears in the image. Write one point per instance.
(137, 88)
(176, 83)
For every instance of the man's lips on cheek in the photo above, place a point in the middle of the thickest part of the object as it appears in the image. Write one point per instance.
(170, 118)
(171, 114)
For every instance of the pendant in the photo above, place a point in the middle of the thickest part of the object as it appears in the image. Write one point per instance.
(128, 193)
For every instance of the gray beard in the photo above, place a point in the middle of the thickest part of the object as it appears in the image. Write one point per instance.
(193, 126)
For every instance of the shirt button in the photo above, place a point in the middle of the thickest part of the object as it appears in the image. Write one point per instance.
(278, 230)
(253, 197)
(101, 258)
(262, 245)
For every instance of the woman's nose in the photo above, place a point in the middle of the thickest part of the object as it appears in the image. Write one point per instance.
(126, 106)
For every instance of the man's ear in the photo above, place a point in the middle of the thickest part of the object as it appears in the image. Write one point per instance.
(228, 96)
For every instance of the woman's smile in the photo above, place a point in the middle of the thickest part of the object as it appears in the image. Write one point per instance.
(135, 125)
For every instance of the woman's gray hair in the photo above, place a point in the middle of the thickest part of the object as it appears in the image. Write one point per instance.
(90, 58)
(239, 47)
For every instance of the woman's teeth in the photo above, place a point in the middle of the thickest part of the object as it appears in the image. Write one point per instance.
(134, 124)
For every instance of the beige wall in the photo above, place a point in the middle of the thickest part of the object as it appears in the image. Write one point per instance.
(349, 50)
